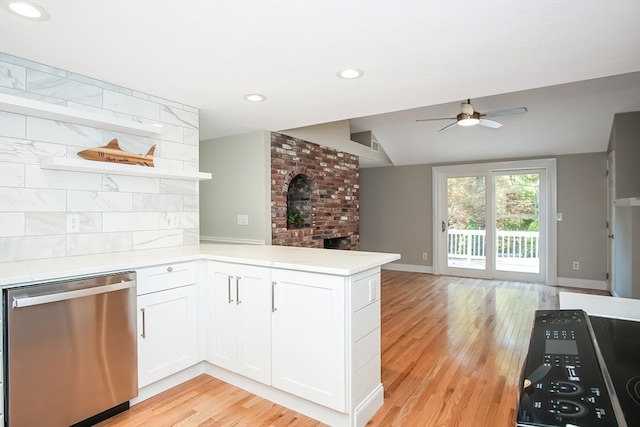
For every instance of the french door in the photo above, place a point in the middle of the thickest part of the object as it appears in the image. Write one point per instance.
(492, 221)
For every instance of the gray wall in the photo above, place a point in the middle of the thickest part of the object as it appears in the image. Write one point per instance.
(582, 199)
(625, 140)
(396, 213)
(240, 165)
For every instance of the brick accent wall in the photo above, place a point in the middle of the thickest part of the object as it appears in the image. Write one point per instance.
(335, 201)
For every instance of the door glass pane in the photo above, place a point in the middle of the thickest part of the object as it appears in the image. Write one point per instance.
(517, 199)
(466, 205)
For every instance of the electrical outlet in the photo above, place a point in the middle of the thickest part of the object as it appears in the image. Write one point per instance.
(173, 218)
(73, 223)
(576, 265)
(243, 219)
(425, 255)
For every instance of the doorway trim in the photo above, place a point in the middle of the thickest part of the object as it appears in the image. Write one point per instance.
(440, 174)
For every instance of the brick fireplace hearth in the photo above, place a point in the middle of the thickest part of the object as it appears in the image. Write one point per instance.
(325, 190)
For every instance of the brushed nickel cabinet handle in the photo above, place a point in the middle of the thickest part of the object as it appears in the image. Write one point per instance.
(229, 288)
(238, 302)
(144, 328)
(273, 295)
(169, 269)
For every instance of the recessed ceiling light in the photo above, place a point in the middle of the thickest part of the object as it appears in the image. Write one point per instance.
(350, 73)
(26, 9)
(255, 97)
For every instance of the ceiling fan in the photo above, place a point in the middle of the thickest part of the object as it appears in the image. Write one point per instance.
(469, 117)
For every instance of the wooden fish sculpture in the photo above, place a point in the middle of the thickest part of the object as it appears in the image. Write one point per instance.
(114, 154)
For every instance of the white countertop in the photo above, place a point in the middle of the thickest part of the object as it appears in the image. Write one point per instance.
(336, 262)
(601, 305)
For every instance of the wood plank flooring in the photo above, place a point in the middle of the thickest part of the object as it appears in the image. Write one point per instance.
(452, 349)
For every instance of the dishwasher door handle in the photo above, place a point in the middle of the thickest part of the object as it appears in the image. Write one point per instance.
(19, 302)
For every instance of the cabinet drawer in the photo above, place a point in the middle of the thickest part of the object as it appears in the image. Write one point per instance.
(366, 320)
(365, 291)
(163, 277)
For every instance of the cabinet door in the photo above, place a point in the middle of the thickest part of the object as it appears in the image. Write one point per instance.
(167, 333)
(254, 323)
(308, 337)
(223, 331)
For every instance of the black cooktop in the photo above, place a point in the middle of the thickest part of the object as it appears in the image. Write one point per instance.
(619, 343)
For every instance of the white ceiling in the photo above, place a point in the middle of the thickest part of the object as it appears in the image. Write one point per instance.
(420, 58)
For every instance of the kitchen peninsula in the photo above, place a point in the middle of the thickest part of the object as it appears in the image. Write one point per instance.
(297, 326)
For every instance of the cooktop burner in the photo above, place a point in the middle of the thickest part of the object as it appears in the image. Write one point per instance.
(619, 343)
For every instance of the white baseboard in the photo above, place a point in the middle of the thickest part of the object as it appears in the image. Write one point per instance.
(229, 240)
(410, 268)
(582, 283)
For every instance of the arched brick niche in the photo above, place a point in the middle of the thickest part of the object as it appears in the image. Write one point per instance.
(299, 199)
(321, 182)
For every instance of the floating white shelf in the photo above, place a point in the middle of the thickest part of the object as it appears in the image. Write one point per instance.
(80, 165)
(631, 201)
(31, 107)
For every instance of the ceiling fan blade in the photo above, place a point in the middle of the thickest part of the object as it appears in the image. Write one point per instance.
(448, 126)
(490, 124)
(440, 118)
(505, 112)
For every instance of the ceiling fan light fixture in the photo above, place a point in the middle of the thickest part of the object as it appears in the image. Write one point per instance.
(468, 119)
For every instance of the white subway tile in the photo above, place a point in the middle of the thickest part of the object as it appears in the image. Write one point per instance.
(22, 151)
(13, 125)
(63, 88)
(12, 174)
(44, 223)
(32, 200)
(32, 247)
(157, 202)
(13, 76)
(96, 201)
(179, 117)
(98, 243)
(130, 221)
(175, 186)
(156, 239)
(173, 150)
(131, 105)
(12, 224)
(46, 178)
(63, 133)
(131, 184)
(191, 136)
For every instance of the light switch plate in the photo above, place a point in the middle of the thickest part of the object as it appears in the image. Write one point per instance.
(243, 219)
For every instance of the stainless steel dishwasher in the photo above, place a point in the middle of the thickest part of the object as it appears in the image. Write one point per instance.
(70, 350)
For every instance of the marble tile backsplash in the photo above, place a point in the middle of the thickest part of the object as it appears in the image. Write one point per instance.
(117, 213)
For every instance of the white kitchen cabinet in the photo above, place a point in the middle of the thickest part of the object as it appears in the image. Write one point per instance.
(239, 319)
(309, 336)
(167, 321)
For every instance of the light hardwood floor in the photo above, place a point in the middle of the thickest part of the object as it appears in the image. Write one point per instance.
(452, 349)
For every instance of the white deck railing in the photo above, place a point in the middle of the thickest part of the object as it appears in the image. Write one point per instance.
(470, 244)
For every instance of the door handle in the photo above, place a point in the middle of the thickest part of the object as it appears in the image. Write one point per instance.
(610, 236)
(229, 288)
(444, 227)
(63, 296)
(238, 302)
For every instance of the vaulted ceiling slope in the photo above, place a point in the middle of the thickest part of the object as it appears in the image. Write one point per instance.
(422, 56)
